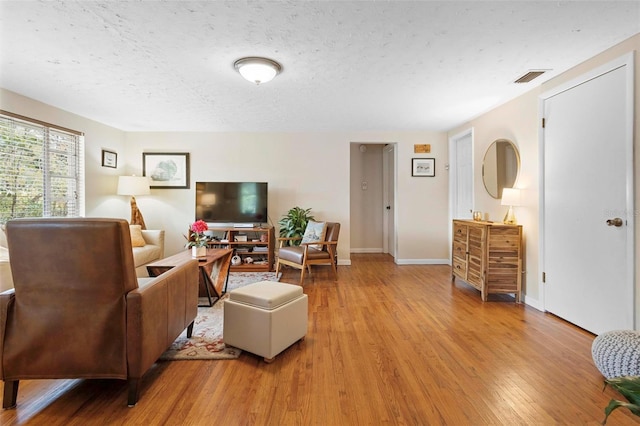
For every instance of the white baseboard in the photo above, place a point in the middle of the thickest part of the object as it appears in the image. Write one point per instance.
(344, 262)
(366, 250)
(423, 262)
(534, 303)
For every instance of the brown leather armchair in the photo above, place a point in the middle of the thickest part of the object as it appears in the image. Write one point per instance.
(77, 309)
(303, 256)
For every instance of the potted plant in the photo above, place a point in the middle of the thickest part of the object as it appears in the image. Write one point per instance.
(629, 387)
(293, 224)
(197, 240)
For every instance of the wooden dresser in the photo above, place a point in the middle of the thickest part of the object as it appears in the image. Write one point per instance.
(488, 256)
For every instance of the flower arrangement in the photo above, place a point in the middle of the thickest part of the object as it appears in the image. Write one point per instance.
(197, 237)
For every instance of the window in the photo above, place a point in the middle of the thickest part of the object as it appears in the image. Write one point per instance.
(41, 169)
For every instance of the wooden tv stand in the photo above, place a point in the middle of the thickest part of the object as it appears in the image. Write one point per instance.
(261, 251)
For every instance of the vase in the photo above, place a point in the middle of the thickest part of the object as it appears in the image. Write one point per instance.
(198, 251)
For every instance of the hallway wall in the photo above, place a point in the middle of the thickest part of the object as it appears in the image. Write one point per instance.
(366, 198)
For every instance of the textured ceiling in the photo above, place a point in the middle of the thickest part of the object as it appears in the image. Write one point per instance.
(347, 65)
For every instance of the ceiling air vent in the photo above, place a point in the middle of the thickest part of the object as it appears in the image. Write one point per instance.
(529, 76)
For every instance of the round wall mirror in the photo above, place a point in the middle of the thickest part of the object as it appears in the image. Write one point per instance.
(500, 167)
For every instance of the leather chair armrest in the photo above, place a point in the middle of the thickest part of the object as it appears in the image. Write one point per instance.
(282, 240)
(7, 299)
(324, 243)
(157, 312)
(288, 238)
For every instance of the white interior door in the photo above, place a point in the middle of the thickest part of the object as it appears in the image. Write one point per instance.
(461, 178)
(587, 180)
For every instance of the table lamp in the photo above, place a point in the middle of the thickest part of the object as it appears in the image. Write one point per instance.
(134, 185)
(510, 197)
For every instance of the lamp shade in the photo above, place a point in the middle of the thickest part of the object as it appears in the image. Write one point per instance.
(510, 197)
(133, 185)
(257, 70)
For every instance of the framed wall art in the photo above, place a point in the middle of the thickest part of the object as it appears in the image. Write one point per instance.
(423, 167)
(109, 159)
(166, 169)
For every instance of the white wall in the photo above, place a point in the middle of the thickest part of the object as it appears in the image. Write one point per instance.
(304, 169)
(518, 121)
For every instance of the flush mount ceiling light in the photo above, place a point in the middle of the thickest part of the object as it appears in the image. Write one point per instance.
(257, 70)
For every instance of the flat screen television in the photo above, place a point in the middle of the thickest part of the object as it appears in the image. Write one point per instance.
(231, 203)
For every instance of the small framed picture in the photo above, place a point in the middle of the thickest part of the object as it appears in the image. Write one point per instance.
(109, 159)
(166, 169)
(423, 167)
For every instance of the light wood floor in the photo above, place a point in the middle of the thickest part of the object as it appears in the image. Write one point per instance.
(386, 344)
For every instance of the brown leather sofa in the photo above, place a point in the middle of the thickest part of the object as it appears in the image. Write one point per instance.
(77, 309)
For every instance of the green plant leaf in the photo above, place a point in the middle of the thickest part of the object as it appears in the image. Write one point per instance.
(629, 387)
(294, 223)
(614, 404)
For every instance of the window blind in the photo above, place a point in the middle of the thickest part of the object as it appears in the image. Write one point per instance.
(41, 169)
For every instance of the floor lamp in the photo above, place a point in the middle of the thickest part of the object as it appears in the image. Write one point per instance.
(134, 185)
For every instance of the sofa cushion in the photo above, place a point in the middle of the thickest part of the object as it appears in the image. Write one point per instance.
(6, 280)
(145, 281)
(136, 236)
(3, 237)
(146, 254)
(4, 254)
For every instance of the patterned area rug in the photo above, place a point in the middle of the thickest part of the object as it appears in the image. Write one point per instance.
(206, 341)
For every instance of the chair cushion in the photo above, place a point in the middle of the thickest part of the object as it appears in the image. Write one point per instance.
(136, 236)
(296, 254)
(315, 231)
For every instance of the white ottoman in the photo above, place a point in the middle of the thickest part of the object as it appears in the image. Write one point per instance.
(265, 318)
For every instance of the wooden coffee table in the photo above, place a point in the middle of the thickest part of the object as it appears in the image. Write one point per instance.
(214, 271)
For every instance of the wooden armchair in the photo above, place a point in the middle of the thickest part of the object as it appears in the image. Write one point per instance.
(78, 310)
(303, 256)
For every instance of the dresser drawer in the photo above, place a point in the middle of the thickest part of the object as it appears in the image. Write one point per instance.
(460, 232)
(459, 268)
(459, 250)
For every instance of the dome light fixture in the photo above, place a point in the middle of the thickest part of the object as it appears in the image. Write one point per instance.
(257, 70)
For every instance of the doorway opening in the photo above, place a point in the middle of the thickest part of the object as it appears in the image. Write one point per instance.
(373, 197)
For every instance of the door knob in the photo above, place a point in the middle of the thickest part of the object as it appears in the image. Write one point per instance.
(616, 221)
